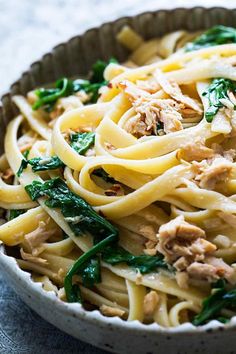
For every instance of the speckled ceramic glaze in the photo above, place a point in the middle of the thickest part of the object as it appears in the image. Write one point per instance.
(113, 334)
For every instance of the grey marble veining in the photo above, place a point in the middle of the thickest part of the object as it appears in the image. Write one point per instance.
(28, 29)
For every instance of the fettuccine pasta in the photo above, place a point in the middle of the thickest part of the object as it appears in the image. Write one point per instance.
(118, 191)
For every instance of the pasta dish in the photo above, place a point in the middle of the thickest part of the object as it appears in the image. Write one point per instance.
(118, 191)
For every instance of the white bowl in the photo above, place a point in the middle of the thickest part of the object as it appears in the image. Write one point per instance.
(113, 334)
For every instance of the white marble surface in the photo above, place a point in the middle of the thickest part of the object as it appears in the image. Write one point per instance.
(30, 28)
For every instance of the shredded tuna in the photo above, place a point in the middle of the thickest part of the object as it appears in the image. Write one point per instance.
(151, 85)
(34, 239)
(182, 279)
(223, 270)
(181, 264)
(171, 119)
(150, 303)
(173, 90)
(151, 112)
(218, 171)
(150, 249)
(211, 270)
(178, 238)
(133, 91)
(29, 257)
(152, 115)
(111, 311)
(147, 231)
(195, 151)
(185, 247)
(221, 152)
(203, 271)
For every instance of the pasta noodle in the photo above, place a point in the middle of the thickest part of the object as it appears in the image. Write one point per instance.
(118, 191)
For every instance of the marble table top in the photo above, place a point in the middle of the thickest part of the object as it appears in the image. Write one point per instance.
(28, 29)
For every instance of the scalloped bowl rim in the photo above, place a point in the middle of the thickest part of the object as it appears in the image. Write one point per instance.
(75, 308)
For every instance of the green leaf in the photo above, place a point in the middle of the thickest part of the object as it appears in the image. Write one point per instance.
(223, 319)
(26, 153)
(215, 303)
(64, 87)
(91, 272)
(16, 212)
(90, 88)
(217, 90)
(41, 164)
(23, 165)
(80, 216)
(75, 294)
(214, 36)
(98, 70)
(79, 264)
(144, 263)
(115, 255)
(81, 142)
(44, 164)
(34, 190)
(82, 219)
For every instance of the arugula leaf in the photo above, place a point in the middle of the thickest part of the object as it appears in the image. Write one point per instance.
(100, 172)
(144, 263)
(23, 165)
(96, 81)
(80, 216)
(91, 272)
(26, 153)
(34, 190)
(212, 305)
(98, 70)
(82, 219)
(47, 97)
(81, 142)
(217, 90)
(66, 87)
(74, 294)
(214, 36)
(223, 319)
(44, 164)
(41, 164)
(91, 88)
(72, 290)
(16, 212)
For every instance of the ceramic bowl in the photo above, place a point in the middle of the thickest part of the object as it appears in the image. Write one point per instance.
(113, 334)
